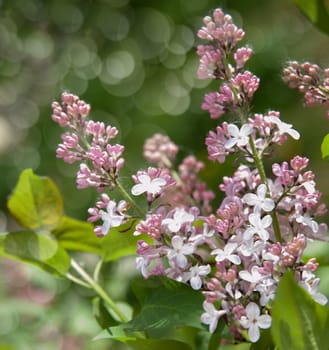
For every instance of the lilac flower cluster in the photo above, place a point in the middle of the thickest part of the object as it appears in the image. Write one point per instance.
(236, 252)
(311, 80)
(87, 142)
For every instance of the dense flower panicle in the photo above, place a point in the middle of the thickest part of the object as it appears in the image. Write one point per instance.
(311, 80)
(236, 252)
(87, 141)
(246, 85)
(215, 143)
(221, 29)
(211, 65)
(191, 186)
(159, 149)
(241, 56)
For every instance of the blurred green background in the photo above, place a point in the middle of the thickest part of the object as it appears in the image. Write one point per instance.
(134, 61)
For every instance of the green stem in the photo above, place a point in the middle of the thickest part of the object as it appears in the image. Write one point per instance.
(99, 290)
(77, 280)
(129, 199)
(261, 170)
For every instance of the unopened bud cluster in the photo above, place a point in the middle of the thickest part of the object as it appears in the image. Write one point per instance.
(311, 80)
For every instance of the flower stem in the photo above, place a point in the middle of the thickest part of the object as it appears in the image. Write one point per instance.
(261, 170)
(98, 289)
(129, 199)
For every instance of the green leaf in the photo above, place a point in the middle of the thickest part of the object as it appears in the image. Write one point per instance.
(241, 346)
(152, 344)
(77, 235)
(298, 322)
(265, 342)
(37, 250)
(36, 202)
(102, 315)
(325, 147)
(317, 11)
(120, 241)
(170, 306)
(118, 334)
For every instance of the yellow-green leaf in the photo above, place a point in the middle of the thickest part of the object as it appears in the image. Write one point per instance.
(77, 235)
(35, 249)
(36, 202)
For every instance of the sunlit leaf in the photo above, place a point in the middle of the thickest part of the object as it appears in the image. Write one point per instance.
(171, 306)
(317, 11)
(298, 322)
(77, 235)
(37, 250)
(325, 147)
(36, 202)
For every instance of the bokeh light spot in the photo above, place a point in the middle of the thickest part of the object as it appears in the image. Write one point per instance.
(39, 45)
(120, 64)
(25, 114)
(113, 24)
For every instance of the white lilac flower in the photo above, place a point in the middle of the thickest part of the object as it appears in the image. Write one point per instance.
(309, 186)
(258, 226)
(311, 283)
(194, 275)
(112, 217)
(259, 200)
(236, 294)
(254, 276)
(141, 264)
(179, 251)
(252, 248)
(254, 320)
(226, 254)
(306, 220)
(152, 186)
(199, 238)
(267, 290)
(284, 128)
(211, 316)
(238, 137)
(180, 217)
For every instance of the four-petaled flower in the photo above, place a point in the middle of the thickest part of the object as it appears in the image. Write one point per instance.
(194, 275)
(180, 217)
(113, 216)
(238, 137)
(253, 277)
(258, 226)
(254, 320)
(152, 186)
(226, 254)
(211, 316)
(179, 251)
(259, 200)
(284, 128)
